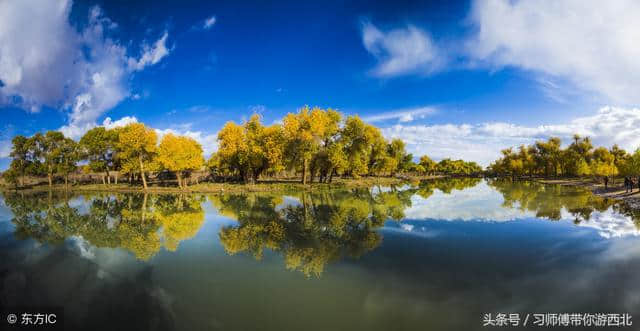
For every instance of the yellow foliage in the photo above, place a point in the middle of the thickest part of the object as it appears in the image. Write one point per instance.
(179, 153)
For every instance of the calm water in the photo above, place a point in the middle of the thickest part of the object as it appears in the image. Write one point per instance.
(434, 256)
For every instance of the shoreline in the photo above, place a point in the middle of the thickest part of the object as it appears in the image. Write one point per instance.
(262, 186)
(614, 191)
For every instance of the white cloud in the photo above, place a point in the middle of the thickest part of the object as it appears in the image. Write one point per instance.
(402, 115)
(209, 22)
(109, 124)
(35, 64)
(76, 131)
(573, 47)
(592, 44)
(401, 51)
(151, 54)
(45, 61)
(482, 142)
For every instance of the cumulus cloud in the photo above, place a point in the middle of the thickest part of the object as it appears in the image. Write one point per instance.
(592, 44)
(408, 50)
(402, 115)
(587, 46)
(45, 61)
(482, 142)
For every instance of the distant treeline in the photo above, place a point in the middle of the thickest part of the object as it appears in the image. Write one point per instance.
(312, 143)
(580, 158)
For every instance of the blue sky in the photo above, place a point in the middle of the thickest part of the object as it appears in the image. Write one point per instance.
(458, 79)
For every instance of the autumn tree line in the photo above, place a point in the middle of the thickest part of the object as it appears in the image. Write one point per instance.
(132, 150)
(313, 144)
(580, 158)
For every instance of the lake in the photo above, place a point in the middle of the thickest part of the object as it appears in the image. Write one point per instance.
(439, 255)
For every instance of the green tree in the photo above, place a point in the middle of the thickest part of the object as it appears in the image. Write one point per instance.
(98, 147)
(21, 157)
(427, 164)
(51, 148)
(69, 154)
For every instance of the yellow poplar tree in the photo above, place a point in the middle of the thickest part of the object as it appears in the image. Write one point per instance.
(138, 146)
(304, 132)
(180, 154)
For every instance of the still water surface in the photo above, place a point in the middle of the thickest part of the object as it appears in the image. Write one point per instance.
(433, 256)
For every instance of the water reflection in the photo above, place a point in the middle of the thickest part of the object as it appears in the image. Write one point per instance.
(426, 188)
(549, 201)
(320, 228)
(308, 229)
(431, 255)
(139, 223)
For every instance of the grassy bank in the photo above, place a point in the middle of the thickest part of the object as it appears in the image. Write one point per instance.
(208, 187)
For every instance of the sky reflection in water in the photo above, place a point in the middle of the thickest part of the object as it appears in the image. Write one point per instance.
(435, 255)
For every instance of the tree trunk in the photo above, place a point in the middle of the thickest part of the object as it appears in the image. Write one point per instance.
(66, 181)
(103, 181)
(144, 180)
(49, 178)
(116, 178)
(304, 172)
(108, 177)
(144, 206)
(179, 176)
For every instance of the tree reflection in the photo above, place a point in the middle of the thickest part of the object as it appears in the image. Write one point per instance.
(446, 185)
(630, 211)
(319, 228)
(548, 201)
(139, 223)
